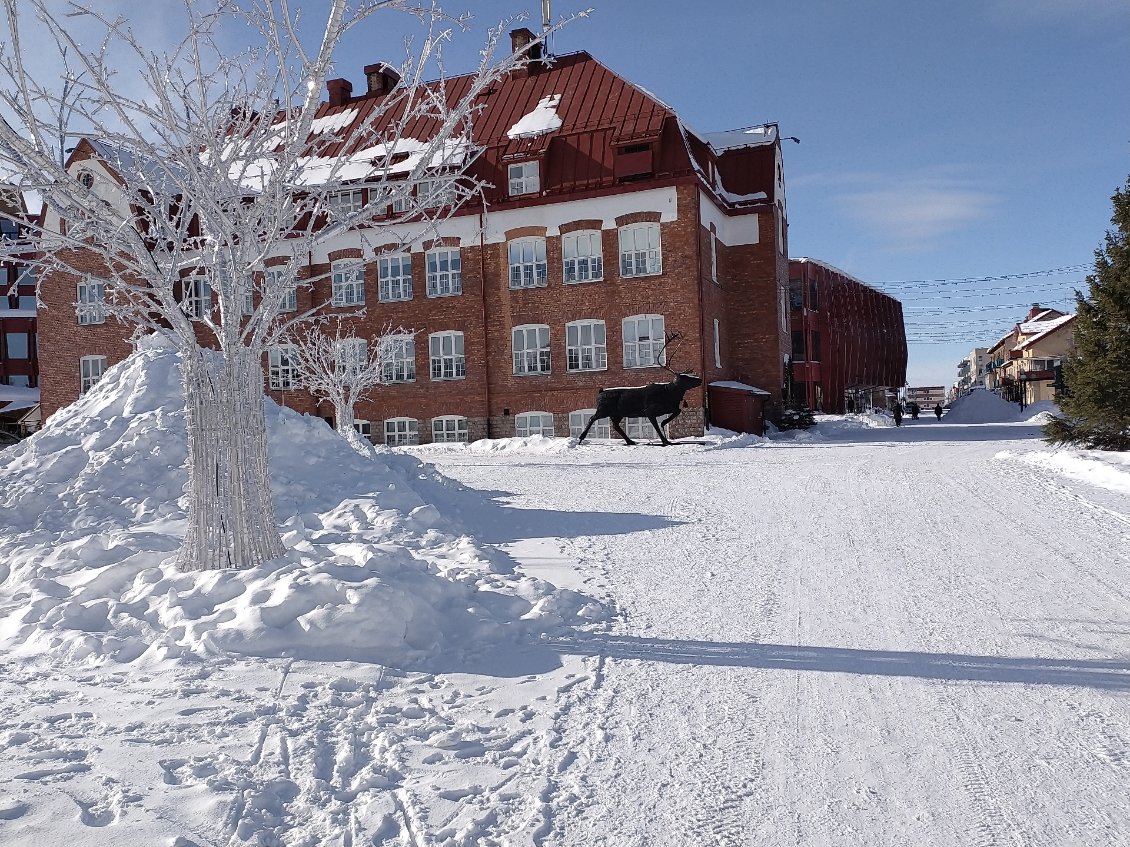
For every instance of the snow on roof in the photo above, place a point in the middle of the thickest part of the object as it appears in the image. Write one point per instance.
(1041, 329)
(737, 139)
(740, 386)
(541, 120)
(401, 157)
(138, 168)
(843, 273)
(332, 123)
(14, 397)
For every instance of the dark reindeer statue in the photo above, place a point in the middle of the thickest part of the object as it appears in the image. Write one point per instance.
(647, 401)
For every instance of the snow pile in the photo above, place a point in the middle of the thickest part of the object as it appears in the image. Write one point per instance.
(542, 119)
(94, 513)
(1040, 413)
(981, 406)
(1097, 467)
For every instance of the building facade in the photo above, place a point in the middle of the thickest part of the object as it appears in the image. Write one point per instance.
(971, 370)
(603, 234)
(19, 358)
(1024, 365)
(848, 340)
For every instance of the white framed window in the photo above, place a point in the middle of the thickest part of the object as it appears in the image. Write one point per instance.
(533, 423)
(527, 263)
(531, 349)
(346, 202)
(586, 347)
(91, 369)
(643, 341)
(274, 277)
(196, 301)
(402, 432)
(717, 345)
(398, 358)
(282, 372)
(350, 356)
(394, 272)
(449, 428)
(639, 429)
(348, 283)
(713, 256)
(249, 301)
(91, 308)
(435, 192)
(578, 419)
(524, 178)
(364, 429)
(582, 256)
(445, 353)
(640, 253)
(445, 272)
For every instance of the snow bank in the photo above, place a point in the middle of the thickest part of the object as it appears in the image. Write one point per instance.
(1097, 467)
(981, 406)
(94, 513)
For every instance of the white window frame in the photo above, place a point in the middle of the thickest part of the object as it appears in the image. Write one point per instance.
(364, 429)
(445, 272)
(530, 344)
(91, 296)
(346, 201)
(398, 359)
(436, 192)
(586, 353)
(582, 255)
(527, 262)
(450, 429)
(524, 178)
(641, 250)
(91, 369)
(196, 296)
(350, 356)
(577, 420)
(446, 356)
(347, 283)
(282, 370)
(289, 301)
(638, 429)
(717, 344)
(713, 256)
(401, 432)
(522, 422)
(641, 352)
(394, 277)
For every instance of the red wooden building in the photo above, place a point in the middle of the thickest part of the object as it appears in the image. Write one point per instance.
(19, 364)
(848, 340)
(611, 223)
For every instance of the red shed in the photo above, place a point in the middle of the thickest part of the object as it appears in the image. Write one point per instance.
(737, 406)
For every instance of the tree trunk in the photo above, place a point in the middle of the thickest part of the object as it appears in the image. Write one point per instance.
(343, 416)
(231, 520)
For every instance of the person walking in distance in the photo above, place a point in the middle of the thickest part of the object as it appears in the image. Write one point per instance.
(898, 414)
(938, 411)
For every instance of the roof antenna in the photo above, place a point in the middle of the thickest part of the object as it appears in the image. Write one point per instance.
(545, 24)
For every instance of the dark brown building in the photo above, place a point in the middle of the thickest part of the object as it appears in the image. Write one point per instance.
(19, 363)
(611, 223)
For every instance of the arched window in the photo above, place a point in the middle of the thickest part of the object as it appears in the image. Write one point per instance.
(533, 423)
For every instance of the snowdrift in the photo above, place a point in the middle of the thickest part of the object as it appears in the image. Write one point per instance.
(981, 406)
(93, 513)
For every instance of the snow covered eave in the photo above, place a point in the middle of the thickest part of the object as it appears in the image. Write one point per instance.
(736, 139)
(733, 385)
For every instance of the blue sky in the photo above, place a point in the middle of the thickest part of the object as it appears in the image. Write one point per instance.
(939, 141)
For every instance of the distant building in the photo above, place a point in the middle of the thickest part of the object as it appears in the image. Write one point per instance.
(1024, 364)
(19, 355)
(971, 370)
(926, 396)
(614, 225)
(848, 340)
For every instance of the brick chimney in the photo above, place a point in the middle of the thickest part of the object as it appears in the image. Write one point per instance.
(380, 78)
(1035, 310)
(340, 90)
(520, 40)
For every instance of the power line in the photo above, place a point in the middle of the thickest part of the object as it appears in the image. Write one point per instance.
(968, 279)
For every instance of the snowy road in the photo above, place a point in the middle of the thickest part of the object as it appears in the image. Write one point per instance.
(883, 637)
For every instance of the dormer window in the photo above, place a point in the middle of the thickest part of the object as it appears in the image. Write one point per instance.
(86, 179)
(524, 178)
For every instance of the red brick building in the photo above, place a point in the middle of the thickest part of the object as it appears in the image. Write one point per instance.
(19, 362)
(610, 224)
(848, 340)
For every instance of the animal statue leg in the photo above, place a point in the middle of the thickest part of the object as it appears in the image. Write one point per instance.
(616, 426)
(588, 426)
(655, 423)
(672, 416)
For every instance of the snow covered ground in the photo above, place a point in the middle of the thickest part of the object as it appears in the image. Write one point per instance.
(855, 635)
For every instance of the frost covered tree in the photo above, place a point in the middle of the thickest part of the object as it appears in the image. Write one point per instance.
(1096, 404)
(214, 163)
(342, 369)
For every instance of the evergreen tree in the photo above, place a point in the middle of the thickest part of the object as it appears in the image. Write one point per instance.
(1096, 405)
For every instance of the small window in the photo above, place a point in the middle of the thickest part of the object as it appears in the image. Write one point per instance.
(533, 423)
(281, 368)
(580, 418)
(347, 202)
(402, 432)
(86, 179)
(19, 381)
(17, 345)
(531, 349)
(643, 341)
(713, 256)
(524, 178)
(640, 253)
(445, 272)
(348, 283)
(364, 429)
(91, 307)
(796, 295)
(91, 369)
(717, 345)
(813, 295)
(582, 256)
(27, 275)
(350, 357)
(815, 347)
(276, 277)
(445, 353)
(798, 345)
(527, 263)
(398, 358)
(436, 192)
(586, 347)
(197, 299)
(27, 302)
(394, 272)
(449, 429)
